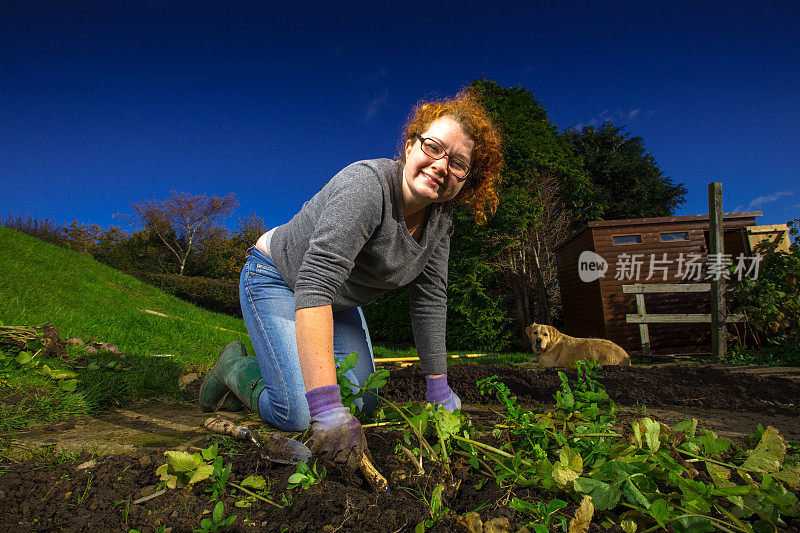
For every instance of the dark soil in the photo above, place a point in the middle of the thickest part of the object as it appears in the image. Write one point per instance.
(56, 496)
(709, 387)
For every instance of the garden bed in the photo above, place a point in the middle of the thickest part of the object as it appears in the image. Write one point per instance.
(57, 495)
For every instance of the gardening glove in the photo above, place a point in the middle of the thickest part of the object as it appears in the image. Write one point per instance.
(440, 393)
(336, 435)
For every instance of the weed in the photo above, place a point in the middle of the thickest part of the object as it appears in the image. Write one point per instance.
(305, 476)
(184, 469)
(127, 511)
(652, 478)
(375, 380)
(226, 444)
(82, 497)
(436, 509)
(217, 520)
(544, 515)
(220, 474)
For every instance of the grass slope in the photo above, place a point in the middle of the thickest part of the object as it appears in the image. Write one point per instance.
(43, 283)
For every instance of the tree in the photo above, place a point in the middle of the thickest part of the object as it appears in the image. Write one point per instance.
(222, 253)
(530, 264)
(182, 220)
(544, 185)
(82, 238)
(627, 180)
(109, 248)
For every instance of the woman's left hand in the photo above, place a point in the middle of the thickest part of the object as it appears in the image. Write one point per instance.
(451, 403)
(440, 393)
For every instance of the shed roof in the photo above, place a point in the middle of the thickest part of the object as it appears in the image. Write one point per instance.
(657, 220)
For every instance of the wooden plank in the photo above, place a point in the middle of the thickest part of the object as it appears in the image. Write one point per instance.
(716, 248)
(667, 318)
(647, 288)
(676, 318)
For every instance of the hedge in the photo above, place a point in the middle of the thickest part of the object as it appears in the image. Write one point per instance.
(221, 296)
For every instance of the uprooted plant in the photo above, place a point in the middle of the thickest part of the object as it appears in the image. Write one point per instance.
(23, 350)
(256, 487)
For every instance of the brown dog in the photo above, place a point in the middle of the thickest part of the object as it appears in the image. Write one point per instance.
(557, 349)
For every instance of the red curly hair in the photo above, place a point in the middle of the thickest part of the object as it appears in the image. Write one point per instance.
(480, 190)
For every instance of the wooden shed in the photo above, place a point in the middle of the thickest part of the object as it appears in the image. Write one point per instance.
(645, 250)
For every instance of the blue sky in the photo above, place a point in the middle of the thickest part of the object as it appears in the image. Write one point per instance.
(107, 103)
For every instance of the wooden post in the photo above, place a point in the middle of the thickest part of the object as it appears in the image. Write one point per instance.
(644, 332)
(719, 345)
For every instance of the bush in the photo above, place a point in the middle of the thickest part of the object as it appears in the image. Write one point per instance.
(221, 296)
(476, 318)
(782, 354)
(771, 302)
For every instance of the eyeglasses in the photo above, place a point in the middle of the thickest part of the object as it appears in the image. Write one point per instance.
(434, 150)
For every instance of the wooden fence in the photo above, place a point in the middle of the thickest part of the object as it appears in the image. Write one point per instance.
(643, 319)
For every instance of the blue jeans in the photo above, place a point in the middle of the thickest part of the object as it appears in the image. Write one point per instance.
(268, 310)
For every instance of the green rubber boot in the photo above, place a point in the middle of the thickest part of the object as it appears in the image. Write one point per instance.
(244, 381)
(234, 382)
(231, 403)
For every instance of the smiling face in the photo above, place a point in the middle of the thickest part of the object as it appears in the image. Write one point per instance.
(427, 180)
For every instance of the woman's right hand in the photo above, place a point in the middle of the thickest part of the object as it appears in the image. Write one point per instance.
(337, 436)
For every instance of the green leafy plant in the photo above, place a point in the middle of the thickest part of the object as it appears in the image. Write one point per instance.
(66, 379)
(219, 474)
(422, 423)
(217, 521)
(544, 515)
(681, 478)
(183, 469)
(26, 347)
(770, 303)
(376, 380)
(436, 509)
(305, 476)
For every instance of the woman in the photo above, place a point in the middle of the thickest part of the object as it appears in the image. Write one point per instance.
(375, 226)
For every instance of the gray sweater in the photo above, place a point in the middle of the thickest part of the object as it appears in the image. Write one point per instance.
(349, 244)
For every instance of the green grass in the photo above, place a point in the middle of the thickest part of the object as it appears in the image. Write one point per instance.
(43, 283)
(29, 399)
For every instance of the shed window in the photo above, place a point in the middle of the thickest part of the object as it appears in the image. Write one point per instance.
(626, 239)
(675, 236)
